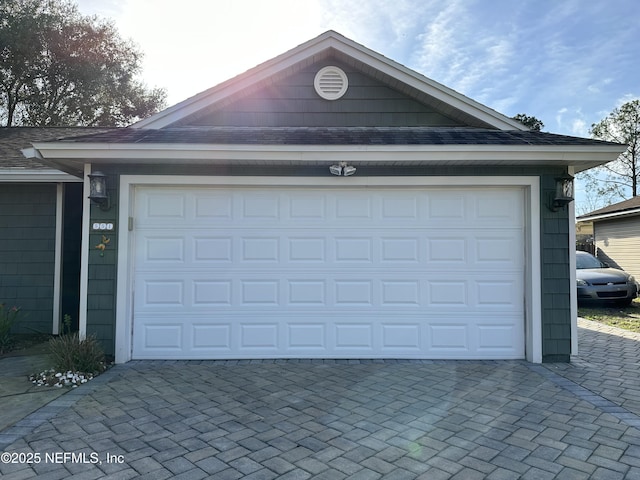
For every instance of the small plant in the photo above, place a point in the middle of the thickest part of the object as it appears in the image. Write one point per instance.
(70, 354)
(66, 324)
(8, 317)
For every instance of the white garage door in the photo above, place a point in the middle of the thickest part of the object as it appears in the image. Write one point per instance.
(331, 273)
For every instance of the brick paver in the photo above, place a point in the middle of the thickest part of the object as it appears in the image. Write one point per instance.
(333, 419)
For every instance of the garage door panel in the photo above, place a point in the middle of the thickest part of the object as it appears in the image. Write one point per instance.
(212, 293)
(490, 208)
(160, 337)
(400, 249)
(307, 337)
(448, 338)
(395, 293)
(307, 249)
(402, 337)
(213, 207)
(402, 291)
(163, 249)
(498, 250)
(163, 293)
(260, 206)
(232, 336)
(307, 293)
(405, 208)
(497, 338)
(260, 272)
(259, 337)
(161, 206)
(307, 207)
(472, 250)
(447, 207)
(211, 337)
(212, 249)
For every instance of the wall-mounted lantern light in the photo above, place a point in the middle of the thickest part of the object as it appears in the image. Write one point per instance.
(563, 195)
(98, 190)
(342, 169)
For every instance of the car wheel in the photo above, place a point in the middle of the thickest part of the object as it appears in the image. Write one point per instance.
(624, 303)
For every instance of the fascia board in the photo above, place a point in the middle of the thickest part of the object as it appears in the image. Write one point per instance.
(312, 48)
(72, 153)
(610, 216)
(37, 176)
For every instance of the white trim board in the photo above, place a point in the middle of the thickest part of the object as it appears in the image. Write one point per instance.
(84, 255)
(531, 184)
(36, 176)
(57, 276)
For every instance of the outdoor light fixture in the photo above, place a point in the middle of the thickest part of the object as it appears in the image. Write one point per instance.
(342, 169)
(98, 190)
(564, 193)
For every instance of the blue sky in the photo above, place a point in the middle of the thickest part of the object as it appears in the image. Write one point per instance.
(567, 62)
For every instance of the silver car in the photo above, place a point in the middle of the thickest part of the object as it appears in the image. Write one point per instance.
(597, 281)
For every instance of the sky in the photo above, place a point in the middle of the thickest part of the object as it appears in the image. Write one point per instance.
(567, 62)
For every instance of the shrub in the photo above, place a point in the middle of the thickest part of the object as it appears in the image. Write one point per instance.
(70, 354)
(8, 317)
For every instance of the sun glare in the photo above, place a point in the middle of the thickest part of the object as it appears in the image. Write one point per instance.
(191, 45)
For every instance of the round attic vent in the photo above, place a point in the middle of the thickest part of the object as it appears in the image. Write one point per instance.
(331, 83)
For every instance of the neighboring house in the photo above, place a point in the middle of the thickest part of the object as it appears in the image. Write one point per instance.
(616, 232)
(40, 232)
(240, 229)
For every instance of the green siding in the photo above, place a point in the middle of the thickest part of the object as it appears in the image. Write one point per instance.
(555, 287)
(27, 253)
(292, 101)
(101, 294)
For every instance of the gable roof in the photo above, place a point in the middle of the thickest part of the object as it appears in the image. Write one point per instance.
(621, 209)
(477, 135)
(332, 43)
(335, 136)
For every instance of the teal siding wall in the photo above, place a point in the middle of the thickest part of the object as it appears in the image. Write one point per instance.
(27, 253)
(101, 293)
(293, 101)
(556, 302)
(555, 286)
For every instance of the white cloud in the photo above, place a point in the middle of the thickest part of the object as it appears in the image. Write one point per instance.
(628, 97)
(516, 57)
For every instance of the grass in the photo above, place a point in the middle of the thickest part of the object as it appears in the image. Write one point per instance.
(613, 315)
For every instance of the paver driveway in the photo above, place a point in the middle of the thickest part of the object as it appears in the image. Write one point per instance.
(335, 420)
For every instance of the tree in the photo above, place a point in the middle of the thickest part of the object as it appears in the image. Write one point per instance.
(532, 122)
(616, 179)
(58, 67)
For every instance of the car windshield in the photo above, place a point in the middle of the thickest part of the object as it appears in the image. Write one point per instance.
(588, 261)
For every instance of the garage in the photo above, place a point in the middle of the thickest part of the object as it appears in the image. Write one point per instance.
(328, 203)
(348, 271)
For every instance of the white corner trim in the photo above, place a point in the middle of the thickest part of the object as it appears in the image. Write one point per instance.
(533, 300)
(128, 183)
(84, 254)
(124, 284)
(57, 269)
(573, 291)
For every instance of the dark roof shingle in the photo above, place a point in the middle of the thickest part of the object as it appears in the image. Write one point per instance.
(630, 204)
(334, 136)
(14, 139)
